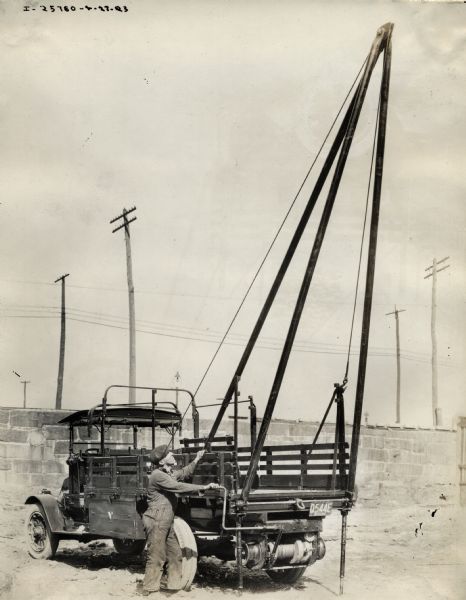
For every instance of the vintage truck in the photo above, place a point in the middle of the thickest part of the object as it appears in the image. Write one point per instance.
(268, 512)
(104, 495)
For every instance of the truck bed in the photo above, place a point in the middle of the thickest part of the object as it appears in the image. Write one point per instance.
(297, 469)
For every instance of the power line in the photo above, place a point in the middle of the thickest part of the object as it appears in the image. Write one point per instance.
(112, 289)
(210, 333)
(197, 334)
(298, 347)
(262, 346)
(107, 316)
(28, 317)
(240, 337)
(230, 298)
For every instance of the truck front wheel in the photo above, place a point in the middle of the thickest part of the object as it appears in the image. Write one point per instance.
(286, 575)
(41, 542)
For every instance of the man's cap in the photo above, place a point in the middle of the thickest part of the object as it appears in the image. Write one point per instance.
(158, 453)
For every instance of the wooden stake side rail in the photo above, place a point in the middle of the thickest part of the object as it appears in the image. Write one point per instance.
(200, 442)
(197, 444)
(213, 468)
(120, 473)
(285, 466)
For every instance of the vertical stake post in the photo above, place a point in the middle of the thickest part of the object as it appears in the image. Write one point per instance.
(239, 542)
(177, 379)
(344, 516)
(153, 418)
(235, 418)
(335, 446)
(71, 439)
(195, 418)
(102, 425)
(341, 438)
(239, 554)
(235, 435)
(253, 424)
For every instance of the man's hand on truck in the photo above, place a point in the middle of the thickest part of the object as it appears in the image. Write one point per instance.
(212, 486)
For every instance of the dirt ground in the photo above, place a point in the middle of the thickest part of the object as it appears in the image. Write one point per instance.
(390, 555)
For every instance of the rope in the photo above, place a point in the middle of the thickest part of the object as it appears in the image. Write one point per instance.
(345, 378)
(276, 236)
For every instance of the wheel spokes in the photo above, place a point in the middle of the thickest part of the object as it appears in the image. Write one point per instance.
(37, 532)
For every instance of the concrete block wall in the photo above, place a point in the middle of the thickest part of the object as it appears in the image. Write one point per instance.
(398, 465)
(403, 465)
(33, 448)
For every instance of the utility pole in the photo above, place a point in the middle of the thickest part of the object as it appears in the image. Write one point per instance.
(132, 318)
(398, 362)
(177, 379)
(24, 392)
(436, 411)
(61, 360)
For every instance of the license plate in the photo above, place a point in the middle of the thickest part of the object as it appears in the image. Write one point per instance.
(320, 509)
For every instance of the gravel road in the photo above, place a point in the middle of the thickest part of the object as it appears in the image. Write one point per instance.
(390, 556)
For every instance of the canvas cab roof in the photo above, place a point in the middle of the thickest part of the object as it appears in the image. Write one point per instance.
(125, 415)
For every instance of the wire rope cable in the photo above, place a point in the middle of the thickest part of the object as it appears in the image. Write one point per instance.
(277, 234)
(363, 234)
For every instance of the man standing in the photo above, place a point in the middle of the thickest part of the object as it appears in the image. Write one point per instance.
(162, 545)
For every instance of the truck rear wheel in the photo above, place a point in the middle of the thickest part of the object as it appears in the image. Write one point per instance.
(129, 547)
(188, 548)
(286, 575)
(41, 542)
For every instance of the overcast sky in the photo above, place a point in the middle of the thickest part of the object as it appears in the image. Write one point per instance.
(206, 116)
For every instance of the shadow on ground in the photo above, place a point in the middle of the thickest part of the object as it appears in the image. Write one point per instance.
(212, 573)
(95, 557)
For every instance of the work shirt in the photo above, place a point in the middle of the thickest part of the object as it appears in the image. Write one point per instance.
(163, 487)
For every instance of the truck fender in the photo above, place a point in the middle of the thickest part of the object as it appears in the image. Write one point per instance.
(51, 508)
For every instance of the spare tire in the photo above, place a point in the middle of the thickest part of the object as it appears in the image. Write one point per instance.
(188, 548)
